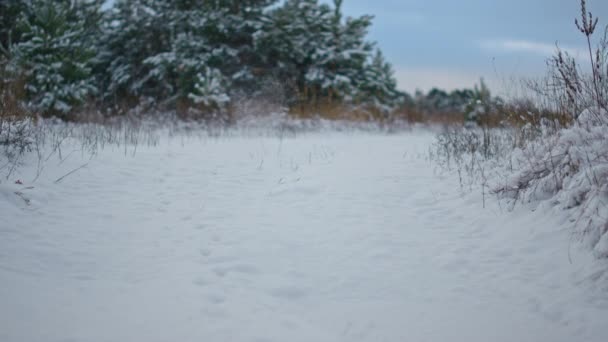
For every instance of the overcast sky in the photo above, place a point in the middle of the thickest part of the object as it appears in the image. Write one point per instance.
(452, 43)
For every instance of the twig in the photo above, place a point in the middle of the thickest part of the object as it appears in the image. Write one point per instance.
(22, 196)
(71, 172)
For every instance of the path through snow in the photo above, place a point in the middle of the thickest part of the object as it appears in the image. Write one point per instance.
(334, 237)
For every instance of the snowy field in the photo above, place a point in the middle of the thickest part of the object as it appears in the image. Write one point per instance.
(321, 237)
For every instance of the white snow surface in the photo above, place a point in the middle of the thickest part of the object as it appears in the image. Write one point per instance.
(318, 237)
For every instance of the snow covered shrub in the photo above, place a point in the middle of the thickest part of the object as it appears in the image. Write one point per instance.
(566, 168)
(569, 169)
(474, 152)
(483, 139)
(561, 162)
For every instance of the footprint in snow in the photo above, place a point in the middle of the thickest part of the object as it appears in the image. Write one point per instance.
(241, 268)
(216, 298)
(200, 282)
(288, 292)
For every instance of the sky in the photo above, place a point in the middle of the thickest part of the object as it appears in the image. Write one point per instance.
(452, 44)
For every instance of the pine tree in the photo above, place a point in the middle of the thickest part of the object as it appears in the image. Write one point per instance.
(194, 64)
(55, 54)
(378, 87)
(293, 41)
(176, 50)
(312, 46)
(132, 31)
(480, 104)
(241, 20)
(201, 51)
(10, 11)
(341, 60)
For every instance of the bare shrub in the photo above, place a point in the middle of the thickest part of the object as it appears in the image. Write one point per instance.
(16, 123)
(557, 152)
(22, 133)
(570, 166)
(573, 88)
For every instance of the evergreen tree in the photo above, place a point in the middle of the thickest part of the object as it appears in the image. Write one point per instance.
(181, 50)
(310, 45)
(293, 39)
(196, 63)
(191, 52)
(10, 10)
(378, 87)
(133, 30)
(55, 54)
(340, 62)
(480, 104)
(241, 20)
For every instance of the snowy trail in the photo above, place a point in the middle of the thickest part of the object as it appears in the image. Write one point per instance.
(335, 237)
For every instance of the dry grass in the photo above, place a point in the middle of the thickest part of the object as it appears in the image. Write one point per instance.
(337, 111)
(16, 124)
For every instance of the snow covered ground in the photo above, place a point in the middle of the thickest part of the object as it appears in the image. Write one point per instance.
(322, 237)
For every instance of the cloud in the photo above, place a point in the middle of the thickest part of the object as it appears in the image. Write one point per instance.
(527, 46)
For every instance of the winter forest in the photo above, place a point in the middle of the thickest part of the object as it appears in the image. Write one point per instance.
(280, 170)
(196, 55)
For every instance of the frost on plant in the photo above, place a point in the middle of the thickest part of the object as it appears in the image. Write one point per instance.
(54, 57)
(209, 90)
(570, 170)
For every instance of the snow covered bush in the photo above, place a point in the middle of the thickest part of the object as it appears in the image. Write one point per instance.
(566, 168)
(559, 162)
(475, 152)
(570, 170)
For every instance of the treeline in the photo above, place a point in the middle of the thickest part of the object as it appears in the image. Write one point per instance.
(201, 54)
(456, 106)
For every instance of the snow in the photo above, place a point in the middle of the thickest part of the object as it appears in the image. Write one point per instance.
(346, 236)
(568, 170)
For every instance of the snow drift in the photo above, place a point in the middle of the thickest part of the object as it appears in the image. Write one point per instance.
(569, 169)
